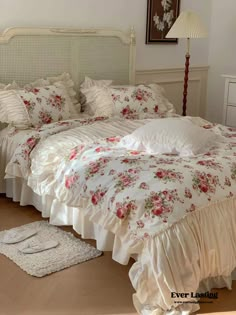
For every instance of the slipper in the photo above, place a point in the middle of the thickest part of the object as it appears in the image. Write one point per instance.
(12, 237)
(38, 247)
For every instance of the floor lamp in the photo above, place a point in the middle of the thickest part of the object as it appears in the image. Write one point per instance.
(188, 25)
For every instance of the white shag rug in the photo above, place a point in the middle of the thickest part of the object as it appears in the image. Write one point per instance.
(69, 252)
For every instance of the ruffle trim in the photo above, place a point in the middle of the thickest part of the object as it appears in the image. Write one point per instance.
(198, 247)
(193, 255)
(12, 109)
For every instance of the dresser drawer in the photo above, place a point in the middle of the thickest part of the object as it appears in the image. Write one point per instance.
(232, 94)
(231, 116)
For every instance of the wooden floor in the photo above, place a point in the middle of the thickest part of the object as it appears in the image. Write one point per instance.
(99, 286)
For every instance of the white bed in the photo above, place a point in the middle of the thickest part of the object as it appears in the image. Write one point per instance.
(188, 256)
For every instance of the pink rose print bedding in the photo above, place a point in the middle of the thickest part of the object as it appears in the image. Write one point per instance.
(20, 163)
(46, 105)
(129, 102)
(142, 192)
(138, 197)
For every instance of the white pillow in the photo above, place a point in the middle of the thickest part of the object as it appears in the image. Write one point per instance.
(98, 102)
(86, 86)
(6, 87)
(88, 83)
(170, 136)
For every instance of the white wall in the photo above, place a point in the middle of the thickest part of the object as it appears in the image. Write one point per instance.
(222, 54)
(109, 13)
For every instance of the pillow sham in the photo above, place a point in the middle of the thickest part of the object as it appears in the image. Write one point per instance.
(170, 136)
(65, 79)
(127, 101)
(9, 86)
(6, 87)
(36, 106)
(161, 97)
(85, 86)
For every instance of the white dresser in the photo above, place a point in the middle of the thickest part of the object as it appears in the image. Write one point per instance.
(229, 114)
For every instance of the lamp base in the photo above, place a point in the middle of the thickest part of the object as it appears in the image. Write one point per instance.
(185, 94)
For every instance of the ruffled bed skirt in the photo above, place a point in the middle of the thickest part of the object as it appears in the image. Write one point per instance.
(194, 255)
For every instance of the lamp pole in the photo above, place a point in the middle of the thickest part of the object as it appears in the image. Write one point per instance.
(185, 93)
(188, 25)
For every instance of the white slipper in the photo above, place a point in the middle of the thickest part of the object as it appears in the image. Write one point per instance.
(12, 237)
(38, 247)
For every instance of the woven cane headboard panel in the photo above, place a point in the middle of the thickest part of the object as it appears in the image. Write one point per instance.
(27, 54)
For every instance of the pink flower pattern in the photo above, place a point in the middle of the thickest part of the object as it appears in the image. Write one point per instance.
(125, 179)
(233, 171)
(70, 180)
(168, 175)
(205, 183)
(123, 209)
(131, 101)
(144, 186)
(161, 203)
(27, 144)
(25, 149)
(188, 193)
(148, 192)
(177, 187)
(97, 196)
(45, 104)
(210, 164)
(96, 167)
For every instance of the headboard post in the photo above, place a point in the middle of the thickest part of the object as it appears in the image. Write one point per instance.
(132, 55)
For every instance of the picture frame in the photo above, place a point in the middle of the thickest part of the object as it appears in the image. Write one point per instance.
(161, 15)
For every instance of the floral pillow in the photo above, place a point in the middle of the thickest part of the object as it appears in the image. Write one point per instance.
(36, 106)
(68, 83)
(127, 101)
(131, 101)
(46, 105)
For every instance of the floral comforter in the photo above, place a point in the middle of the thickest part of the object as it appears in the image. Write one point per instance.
(20, 163)
(138, 196)
(144, 193)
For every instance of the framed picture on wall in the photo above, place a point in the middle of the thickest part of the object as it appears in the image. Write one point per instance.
(161, 15)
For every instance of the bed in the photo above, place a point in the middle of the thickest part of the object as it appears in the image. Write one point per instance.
(76, 173)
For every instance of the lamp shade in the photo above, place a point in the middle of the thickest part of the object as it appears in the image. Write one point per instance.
(187, 25)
